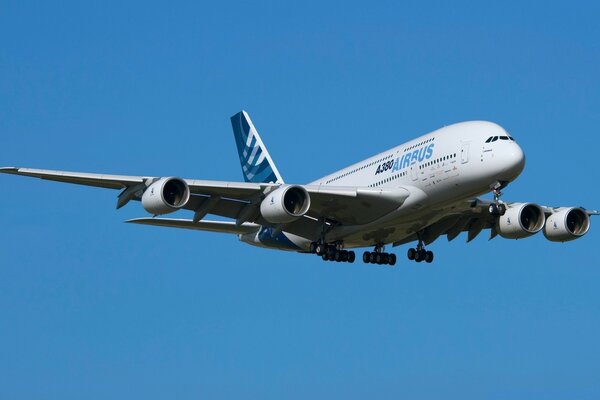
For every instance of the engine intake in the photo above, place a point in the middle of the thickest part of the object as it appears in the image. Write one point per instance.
(165, 196)
(567, 224)
(520, 221)
(285, 204)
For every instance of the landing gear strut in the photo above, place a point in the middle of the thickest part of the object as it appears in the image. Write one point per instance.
(497, 208)
(420, 254)
(332, 252)
(379, 257)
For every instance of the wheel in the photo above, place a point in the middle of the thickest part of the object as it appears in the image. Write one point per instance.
(385, 258)
(419, 256)
(411, 254)
(493, 209)
(366, 257)
(320, 249)
(338, 256)
(429, 256)
(331, 252)
(351, 257)
(374, 257)
(501, 209)
(313, 248)
(344, 255)
(392, 260)
(379, 258)
(325, 257)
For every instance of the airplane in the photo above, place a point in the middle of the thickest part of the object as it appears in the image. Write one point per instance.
(412, 193)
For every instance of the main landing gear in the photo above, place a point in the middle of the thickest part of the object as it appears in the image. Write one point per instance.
(420, 254)
(379, 257)
(497, 208)
(332, 252)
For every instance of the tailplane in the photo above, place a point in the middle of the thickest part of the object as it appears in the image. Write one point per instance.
(257, 165)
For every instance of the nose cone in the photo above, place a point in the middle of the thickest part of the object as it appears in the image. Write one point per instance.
(513, 161)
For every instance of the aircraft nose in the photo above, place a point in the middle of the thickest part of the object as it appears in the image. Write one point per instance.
(514, 161)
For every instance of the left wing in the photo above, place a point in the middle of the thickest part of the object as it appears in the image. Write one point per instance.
(473, 217)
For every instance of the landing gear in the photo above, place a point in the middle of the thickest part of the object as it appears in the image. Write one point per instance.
(332, 252)
(497, 208)
(420, 254)
(379, 257)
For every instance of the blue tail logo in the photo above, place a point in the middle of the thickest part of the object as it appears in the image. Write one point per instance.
(257, 165)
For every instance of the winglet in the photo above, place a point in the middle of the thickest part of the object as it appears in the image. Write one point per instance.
(257, 165)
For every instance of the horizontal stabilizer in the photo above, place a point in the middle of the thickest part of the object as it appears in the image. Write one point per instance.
(211, 226)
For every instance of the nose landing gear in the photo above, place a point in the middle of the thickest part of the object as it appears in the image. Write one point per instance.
(497, 208)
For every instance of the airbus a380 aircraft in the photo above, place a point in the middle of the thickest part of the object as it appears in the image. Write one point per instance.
(414, 192)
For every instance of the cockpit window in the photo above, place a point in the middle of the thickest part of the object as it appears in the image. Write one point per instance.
(495, 138)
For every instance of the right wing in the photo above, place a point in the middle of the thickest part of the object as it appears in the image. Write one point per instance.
(240, 201)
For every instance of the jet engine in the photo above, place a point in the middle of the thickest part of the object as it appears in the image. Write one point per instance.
(285, 204)
(568, 223)
(165, 196)
(521, 220)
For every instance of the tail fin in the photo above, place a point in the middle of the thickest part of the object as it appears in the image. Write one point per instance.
(257, 165)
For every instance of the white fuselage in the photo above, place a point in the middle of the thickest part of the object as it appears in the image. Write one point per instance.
(442, 170)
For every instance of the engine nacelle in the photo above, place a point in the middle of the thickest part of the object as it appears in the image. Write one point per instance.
(520, 221)
(165, 196)
(566, 224)
(285, 204)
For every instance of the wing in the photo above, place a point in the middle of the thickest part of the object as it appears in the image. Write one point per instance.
(241, 200)
(472, 217)
(211, 226)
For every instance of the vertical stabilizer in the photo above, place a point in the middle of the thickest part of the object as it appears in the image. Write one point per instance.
(257, 165)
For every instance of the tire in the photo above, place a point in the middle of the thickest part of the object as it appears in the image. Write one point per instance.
(320, 249)
(501, 209)
(367, 257)
(338, 256)
(351, 257)
(344, 255)
(493, 209)
(325, 257)
(419, 256)
(429, 257)
(392, 260)
(411, 254)
(385, 258)
(374, 257)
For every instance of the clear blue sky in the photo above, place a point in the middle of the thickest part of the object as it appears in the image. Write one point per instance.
(93, 308)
